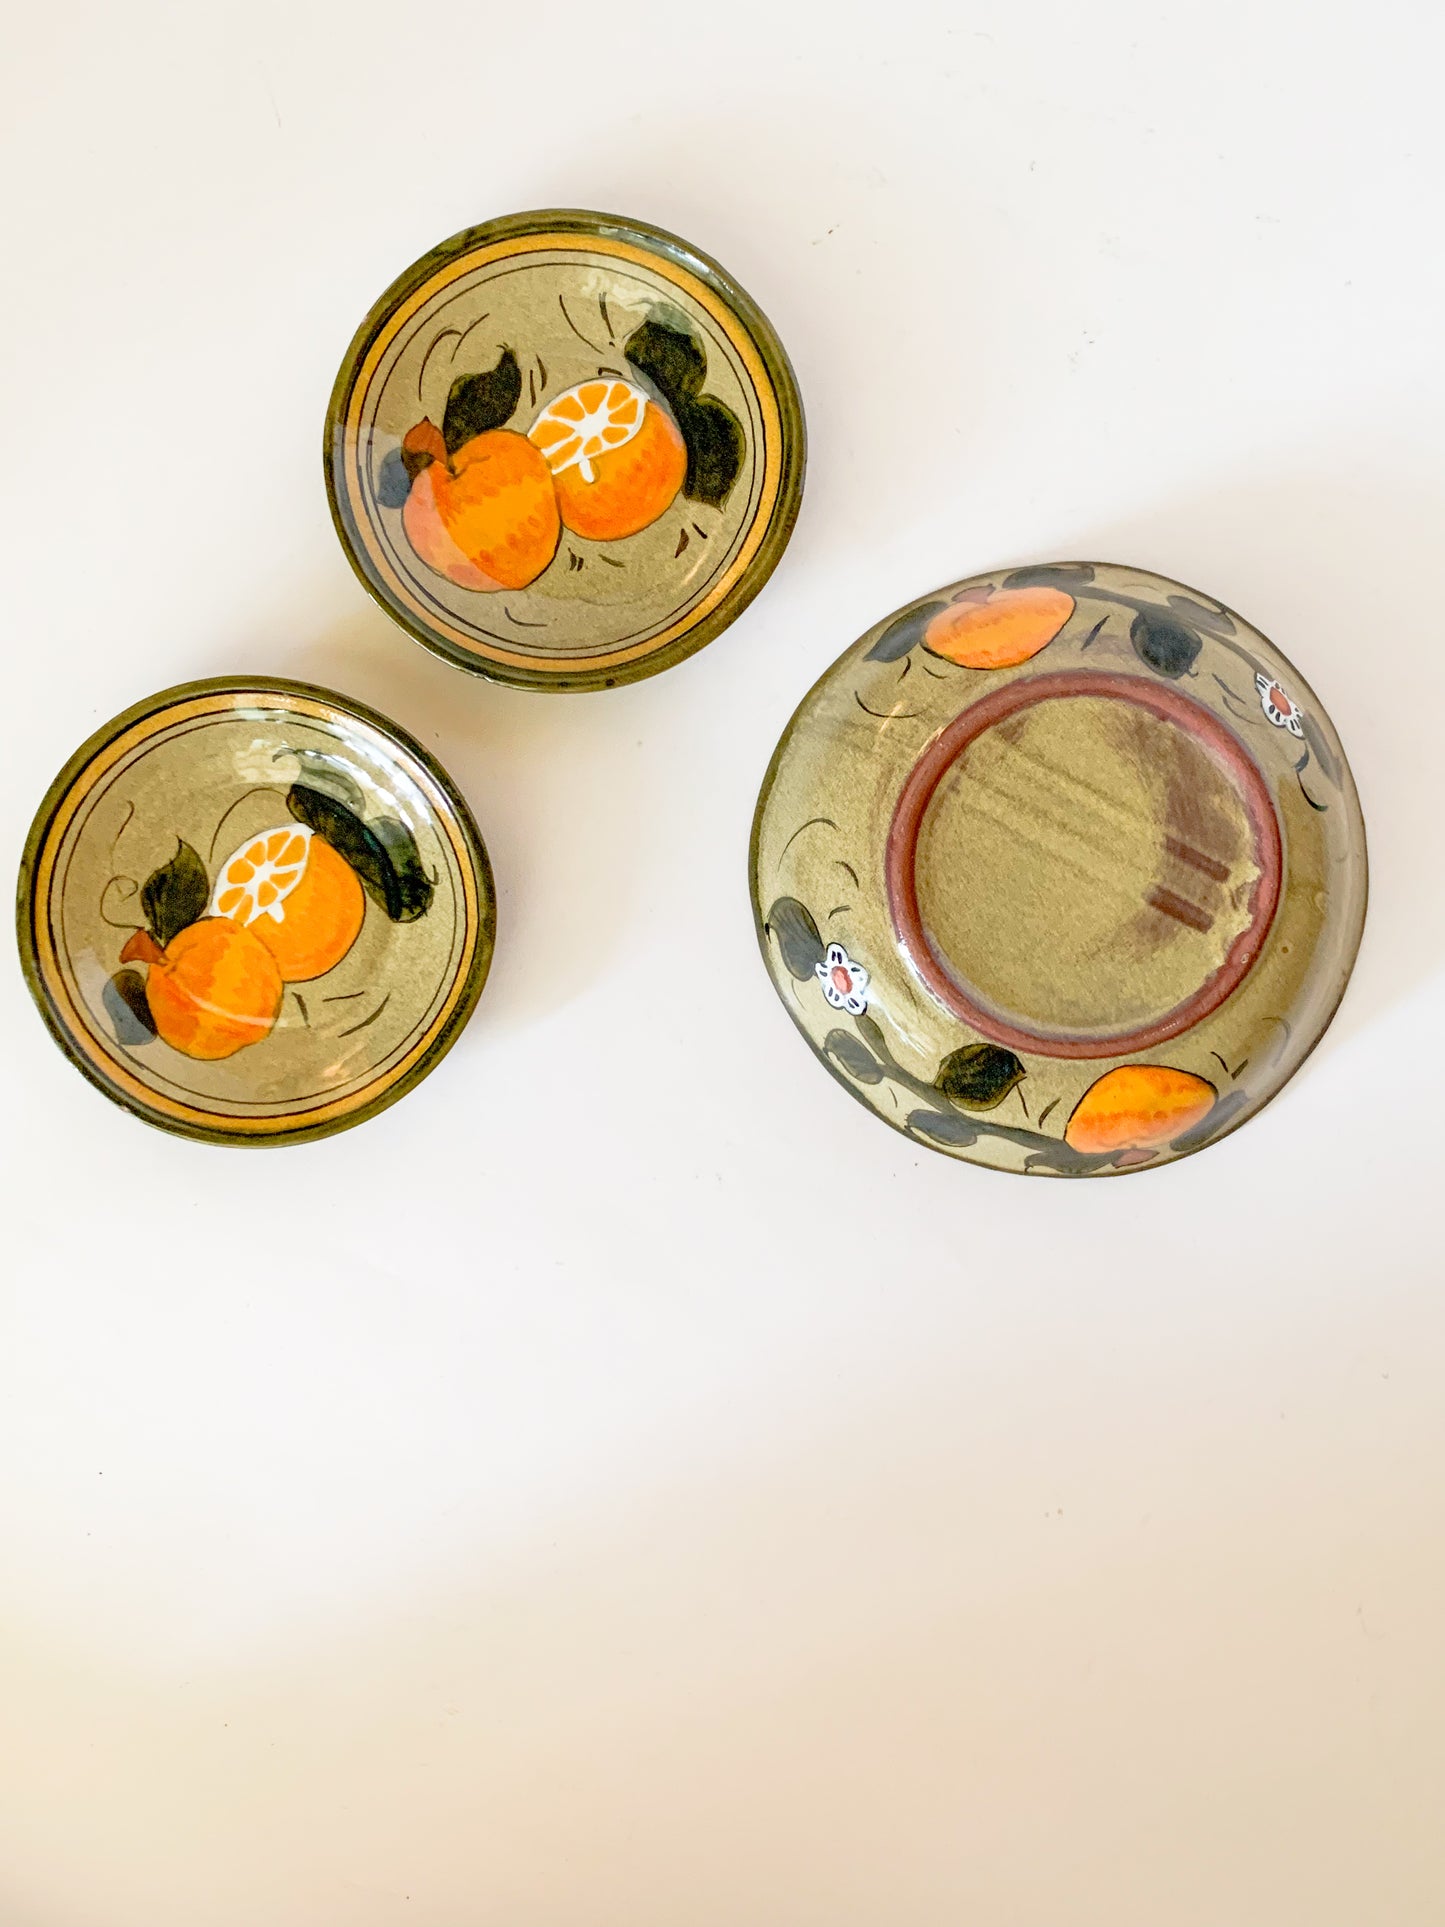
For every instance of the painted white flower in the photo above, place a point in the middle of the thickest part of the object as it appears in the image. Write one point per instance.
(845, 983)
(1278, 707)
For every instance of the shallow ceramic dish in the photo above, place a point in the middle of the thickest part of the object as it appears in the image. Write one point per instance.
(564, 450)
(1061, 870)
(254, 912)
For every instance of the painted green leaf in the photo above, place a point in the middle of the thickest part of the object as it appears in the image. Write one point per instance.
(1215, 622)
(715, 449)
(1167, 645)
(1213, 1121)
(903, 634)
(854, 1057)
(174, 896)
(477, 403)
(943, 1127)
(799, 943)
(1320, 749)
(979, 1076)
(333, 777)
(383, 854)
(124, 997)
(674, 360)
(393, 481)
(1051, 575)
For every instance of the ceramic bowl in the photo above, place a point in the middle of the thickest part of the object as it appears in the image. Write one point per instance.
(1061, 870)
(564, 450)
(254, 911)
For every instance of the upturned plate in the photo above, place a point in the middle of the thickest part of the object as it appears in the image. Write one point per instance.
(564, 450)
(1061, 870)
(254, 911)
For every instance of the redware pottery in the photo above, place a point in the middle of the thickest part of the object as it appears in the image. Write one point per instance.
(564, 450)
(1061, 870)
(254, 911)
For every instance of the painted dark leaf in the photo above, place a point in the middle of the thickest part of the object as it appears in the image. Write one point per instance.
(1214, 622)
(674, 361)
(854, 1057)
(799, 943)
(1051, 575)
(174, 896)
(904, 633)
(125, 1003)
(393, 481)
(943, 1127)
(1213, 1121)
(384, 855)
(332, 775)
(715, 449)
(414, 887)
(1320, 749)
(1166, 644)
(979, 1076)
(477, 403)
(871, 1031)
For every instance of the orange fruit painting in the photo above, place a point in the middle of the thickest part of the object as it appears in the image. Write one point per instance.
(1138, 1107)
(214, 988)
(485, 517)
(998, 628)
(297, 895)
(617, 458)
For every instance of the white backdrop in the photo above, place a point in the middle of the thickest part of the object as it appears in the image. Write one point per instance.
(625, 1486)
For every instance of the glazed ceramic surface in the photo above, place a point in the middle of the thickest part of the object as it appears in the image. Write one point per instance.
(254, 911)
(1061, 870)
(564, 450)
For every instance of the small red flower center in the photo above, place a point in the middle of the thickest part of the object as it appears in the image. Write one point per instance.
(1281, 702)
(842, 980)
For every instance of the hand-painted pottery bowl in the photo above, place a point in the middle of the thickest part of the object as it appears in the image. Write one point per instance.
(254, 911)
(564, 450)
(1061, 870)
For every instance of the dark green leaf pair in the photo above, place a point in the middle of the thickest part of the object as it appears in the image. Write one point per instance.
(675, 362)
(383, 854)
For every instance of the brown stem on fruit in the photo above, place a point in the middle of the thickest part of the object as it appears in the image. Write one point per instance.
(421, 446)
(141, 948)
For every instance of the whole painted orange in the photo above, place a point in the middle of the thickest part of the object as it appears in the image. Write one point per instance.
(485, 517)
(1138, 1107)
(998, 628)
(214, 988)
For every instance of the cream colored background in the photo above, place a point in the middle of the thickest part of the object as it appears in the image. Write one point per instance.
(624, 1486)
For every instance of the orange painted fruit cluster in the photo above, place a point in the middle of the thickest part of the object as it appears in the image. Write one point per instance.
(602, 460)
